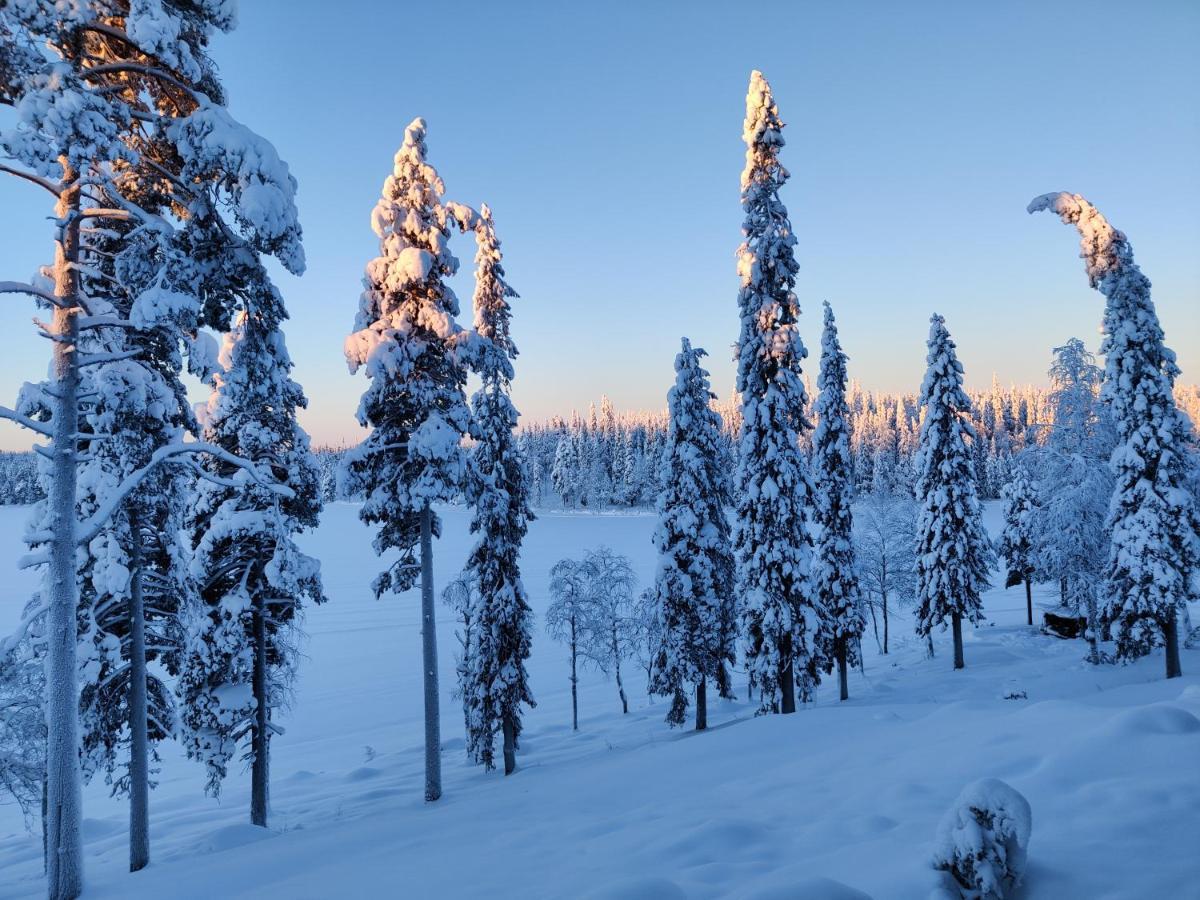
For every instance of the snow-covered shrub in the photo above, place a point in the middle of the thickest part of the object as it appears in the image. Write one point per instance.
(982, 841)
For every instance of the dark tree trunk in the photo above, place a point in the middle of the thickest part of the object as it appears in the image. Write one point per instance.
(1062, 592)
(1171, 639)
(433, 738)
(621, 691)
(139, 738)
(958, 643)
(701, 705)
(787, 684)
(885, 624)
(260, 736)
(875, 625)
(1029, 599)
(510, 745)
(843, 675)
(574, 679)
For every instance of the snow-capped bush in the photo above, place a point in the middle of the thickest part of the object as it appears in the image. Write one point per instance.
(982, 841)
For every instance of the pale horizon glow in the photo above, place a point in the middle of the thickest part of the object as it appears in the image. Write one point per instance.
(608, 144)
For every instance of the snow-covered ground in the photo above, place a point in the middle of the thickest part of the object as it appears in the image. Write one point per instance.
(771, 807)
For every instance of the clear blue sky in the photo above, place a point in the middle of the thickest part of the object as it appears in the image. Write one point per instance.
(607, 139)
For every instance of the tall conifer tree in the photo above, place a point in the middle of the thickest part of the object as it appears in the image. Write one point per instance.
(954, 555)
(835, 571)
(780, 621)
(694, 590)
(1154, 517)
(495, 683)
(406, 338)
(253, 582)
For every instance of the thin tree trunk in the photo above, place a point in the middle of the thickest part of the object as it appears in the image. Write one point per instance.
(874, 624)
(574, 680)
(621, 691)
(1171, 639)
(139, 738)
(64, 794)
(843, 675)
(885, 624)
(787, 686)
(1093, 629)
(261, 739)
(433, 740)
(510, 744)
(1062, 591)
(958, 641)
(1029, 598)
(701, 705)
(45, 830)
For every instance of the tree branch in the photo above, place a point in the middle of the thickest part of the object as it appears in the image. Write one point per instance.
(35, 179)
(26, 422)
(90, 527)
(20, 287)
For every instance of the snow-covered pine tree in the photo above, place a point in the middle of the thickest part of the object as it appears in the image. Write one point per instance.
(1016, 544)
(252, 579)
(496, 683)
(1154, 518)
(954, 555)
(119, 117)
(406, 338)
(835, 569)
(780, 620)
(693, 587)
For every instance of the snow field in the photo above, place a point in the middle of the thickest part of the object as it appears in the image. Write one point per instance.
(836, 801)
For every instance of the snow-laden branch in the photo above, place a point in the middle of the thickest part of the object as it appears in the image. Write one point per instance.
(86, 322)
(20, 287)
(35, 179)
(25, 422)
(91, 526)
(1102, 247)
(9, 643)
(148, 72)
(99, 359)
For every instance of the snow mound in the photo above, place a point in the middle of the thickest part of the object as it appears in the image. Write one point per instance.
(1158, 718)
(811, 889)
(982, 841)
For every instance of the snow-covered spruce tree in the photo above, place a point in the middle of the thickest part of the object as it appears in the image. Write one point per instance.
(406, 338)
(1016, 543)
(780, 619)
(1154, 518)
(954, 555)
(835, 569)
(252, 579)
(496, 683)
(119, 118)
(693, 586)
